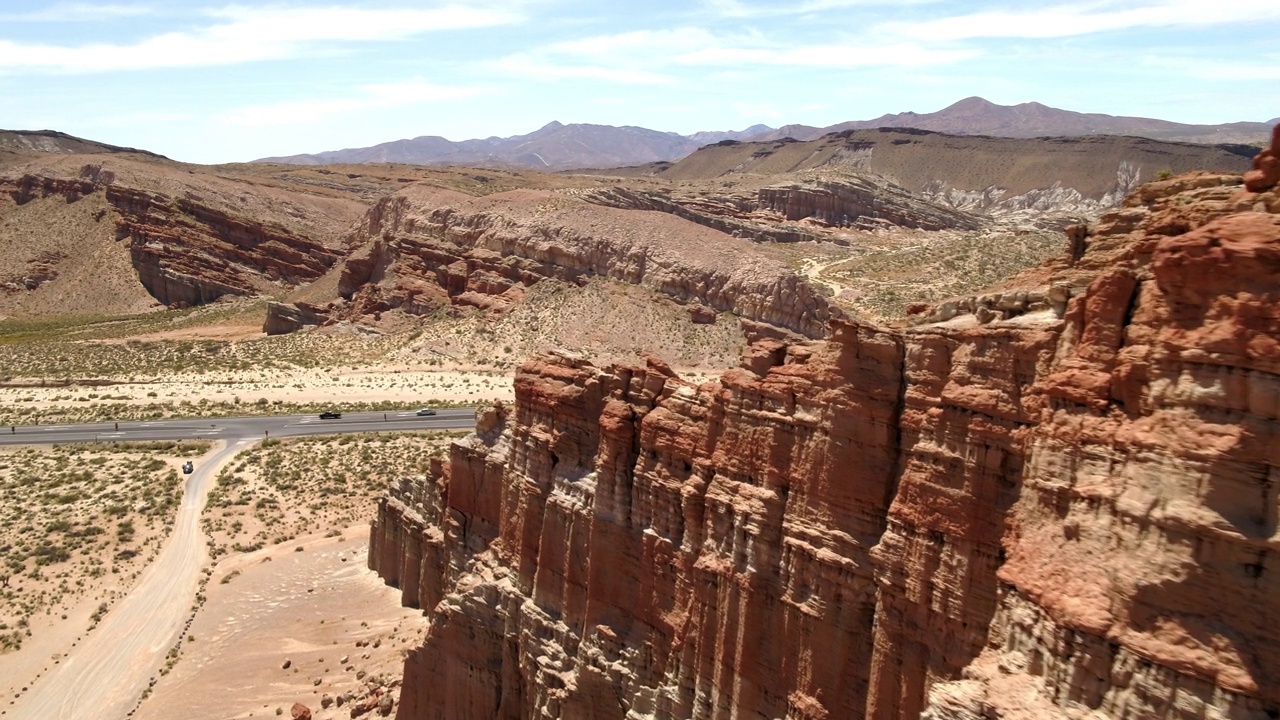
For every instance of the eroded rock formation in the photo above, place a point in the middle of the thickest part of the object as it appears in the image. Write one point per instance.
(1030, 518)
(284, 318)
(187, 253)
(853, 201)
(424, 248)
(1266, 166)
(184, 251)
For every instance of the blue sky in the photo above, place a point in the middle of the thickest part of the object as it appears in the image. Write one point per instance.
(215, 82)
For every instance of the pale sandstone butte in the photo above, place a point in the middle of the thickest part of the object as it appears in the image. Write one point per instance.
(1029, 518)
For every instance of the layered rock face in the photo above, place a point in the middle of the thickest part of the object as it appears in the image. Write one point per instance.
(186, 252)
(861, 202)
(865, 202)
(1027, 517)
(424, 248)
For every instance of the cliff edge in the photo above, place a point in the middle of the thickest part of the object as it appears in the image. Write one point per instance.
(1049, 514)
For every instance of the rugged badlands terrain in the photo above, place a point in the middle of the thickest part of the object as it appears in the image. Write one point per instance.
(1012, 513)
(90, 229)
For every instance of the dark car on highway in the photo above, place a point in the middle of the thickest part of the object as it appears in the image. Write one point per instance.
(330, 415)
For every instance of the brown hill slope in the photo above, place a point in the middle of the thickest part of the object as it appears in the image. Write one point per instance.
(920, 160)
(52, 141)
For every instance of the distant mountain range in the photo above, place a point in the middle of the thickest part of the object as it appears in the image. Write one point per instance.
(557, 146)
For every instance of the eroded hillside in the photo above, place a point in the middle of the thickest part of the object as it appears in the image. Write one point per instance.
(1010, 513)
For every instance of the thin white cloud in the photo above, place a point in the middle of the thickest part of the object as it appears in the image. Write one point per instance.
(242, 34)
(1087, 18)
(524, 66)
(368, 97)
(740, 9)
(77, 12)
(830, 56)
(646, 55)
(1229, 72)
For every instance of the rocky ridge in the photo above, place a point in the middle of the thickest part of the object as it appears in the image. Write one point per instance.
(424, 249)
(995, 176)
(1035, 516)
(185, 252)
(770, 213)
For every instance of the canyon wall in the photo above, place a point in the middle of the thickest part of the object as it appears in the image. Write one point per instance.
(425, 248)
(1031, 516)
(854, 201)
(184, 251)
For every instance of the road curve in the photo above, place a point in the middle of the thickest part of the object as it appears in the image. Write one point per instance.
(105, 675)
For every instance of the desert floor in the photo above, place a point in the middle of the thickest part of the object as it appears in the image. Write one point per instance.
(285, 528)
(311, 603)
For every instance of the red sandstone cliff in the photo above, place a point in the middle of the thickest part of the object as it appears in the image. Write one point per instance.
(1020, 517)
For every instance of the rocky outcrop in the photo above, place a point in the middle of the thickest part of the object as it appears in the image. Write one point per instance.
(285, 318)
(187, 253)
(859, 202)
(1266, 166)
(184, 251)
(38, 271)
(734, 215)
(423, 249)
(1033, 517)
(769, 215)
(1034, 203)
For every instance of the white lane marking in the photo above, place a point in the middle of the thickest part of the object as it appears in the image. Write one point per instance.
(111, 434)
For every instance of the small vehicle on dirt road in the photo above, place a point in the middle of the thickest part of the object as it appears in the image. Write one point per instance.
(426, 411)
(330, 415)
(188, 467)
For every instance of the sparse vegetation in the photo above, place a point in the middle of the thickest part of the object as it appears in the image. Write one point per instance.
(275, 493)
(80, 521)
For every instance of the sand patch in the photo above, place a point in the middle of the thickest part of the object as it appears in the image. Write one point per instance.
(311, 608)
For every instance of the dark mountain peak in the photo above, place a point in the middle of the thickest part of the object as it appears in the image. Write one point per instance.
(553, 125)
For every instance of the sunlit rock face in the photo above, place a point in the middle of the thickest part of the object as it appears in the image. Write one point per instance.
(1035, 517)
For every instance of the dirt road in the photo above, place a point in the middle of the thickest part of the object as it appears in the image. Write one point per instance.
(103, 678)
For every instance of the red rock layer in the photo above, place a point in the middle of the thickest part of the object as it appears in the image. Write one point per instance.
(1035, 517)
(187, 253)
(425, 248)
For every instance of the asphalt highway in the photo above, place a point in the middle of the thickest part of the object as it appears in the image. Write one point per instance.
(276, 426)
(104, 677)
